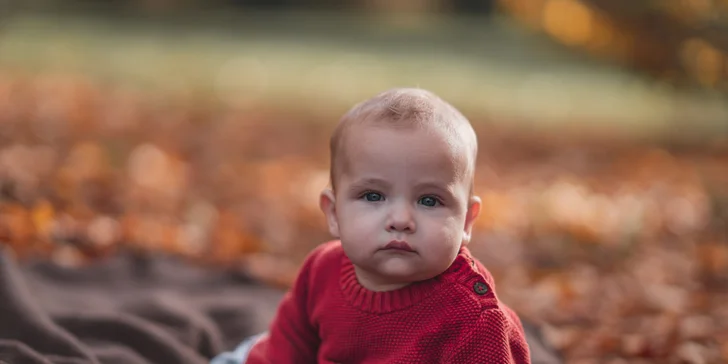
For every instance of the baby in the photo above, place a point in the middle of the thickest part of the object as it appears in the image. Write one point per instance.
(399, 286)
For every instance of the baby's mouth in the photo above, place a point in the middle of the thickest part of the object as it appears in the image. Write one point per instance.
(398, 245)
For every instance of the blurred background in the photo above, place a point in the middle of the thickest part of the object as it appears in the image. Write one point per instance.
(200, 128)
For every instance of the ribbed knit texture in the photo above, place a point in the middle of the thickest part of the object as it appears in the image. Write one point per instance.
(328, 317)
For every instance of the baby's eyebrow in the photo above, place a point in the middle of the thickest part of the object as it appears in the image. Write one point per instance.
(370, 182)
(434, 185)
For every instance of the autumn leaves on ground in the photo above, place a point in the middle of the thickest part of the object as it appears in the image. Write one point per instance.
(618, 249)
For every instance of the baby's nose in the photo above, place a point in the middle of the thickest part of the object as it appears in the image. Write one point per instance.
(401, 219)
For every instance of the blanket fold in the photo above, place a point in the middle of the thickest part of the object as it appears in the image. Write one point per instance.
(128, 309)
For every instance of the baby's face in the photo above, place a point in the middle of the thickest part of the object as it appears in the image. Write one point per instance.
(402, 206)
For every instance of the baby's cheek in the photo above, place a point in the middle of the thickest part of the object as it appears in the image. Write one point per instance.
(360, 228)
(365, 218)
(449, 228)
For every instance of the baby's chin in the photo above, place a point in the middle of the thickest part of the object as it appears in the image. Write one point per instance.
(404, 270)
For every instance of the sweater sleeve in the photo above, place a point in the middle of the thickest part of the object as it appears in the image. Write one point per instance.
(494, 339)
(292, 337)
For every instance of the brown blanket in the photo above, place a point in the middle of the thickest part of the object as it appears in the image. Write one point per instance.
(134, 310)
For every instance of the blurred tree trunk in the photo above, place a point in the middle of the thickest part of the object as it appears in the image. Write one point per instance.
(659, 39)
(472, 7)
(404, 5)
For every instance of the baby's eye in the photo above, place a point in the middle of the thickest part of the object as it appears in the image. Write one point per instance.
(373, 196)
(429, 201)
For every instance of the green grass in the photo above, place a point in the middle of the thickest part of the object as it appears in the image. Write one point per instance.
(327, 64)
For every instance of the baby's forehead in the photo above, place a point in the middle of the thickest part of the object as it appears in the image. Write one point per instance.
(437, 148)
(431, 135)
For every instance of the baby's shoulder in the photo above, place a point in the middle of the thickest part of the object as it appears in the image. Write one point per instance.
(323, 258)
(465, 304)
(476, 300)
(327, 252)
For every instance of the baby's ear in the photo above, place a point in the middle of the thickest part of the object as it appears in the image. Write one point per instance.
(471, 215)
(327, 203)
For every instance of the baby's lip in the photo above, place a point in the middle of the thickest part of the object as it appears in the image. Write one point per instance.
(398, 245)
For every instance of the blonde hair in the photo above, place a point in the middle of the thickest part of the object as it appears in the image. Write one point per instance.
(405, 108)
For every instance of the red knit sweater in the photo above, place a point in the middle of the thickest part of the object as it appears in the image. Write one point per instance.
(328, 317)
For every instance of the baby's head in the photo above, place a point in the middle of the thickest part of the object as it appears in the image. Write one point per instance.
(402, 167)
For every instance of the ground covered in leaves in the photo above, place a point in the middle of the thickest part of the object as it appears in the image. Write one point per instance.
(619, 249)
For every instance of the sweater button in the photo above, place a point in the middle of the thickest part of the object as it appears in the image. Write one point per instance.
(480, 288)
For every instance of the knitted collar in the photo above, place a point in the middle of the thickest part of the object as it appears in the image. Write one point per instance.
(464, 268)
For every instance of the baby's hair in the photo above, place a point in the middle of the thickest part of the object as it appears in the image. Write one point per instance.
(405, 108)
